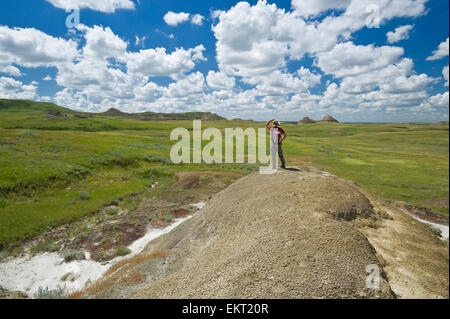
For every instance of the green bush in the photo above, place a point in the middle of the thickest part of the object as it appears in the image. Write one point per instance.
(122, 251)
(157, 159)
(155, 173)
(72, 254)
(84, 195)
(68, 276)
(46, 293)
(29, 133)
(112, 211)
(43, 246)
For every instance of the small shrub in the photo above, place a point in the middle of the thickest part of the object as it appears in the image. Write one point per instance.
(29, 133)
(157, 159)
(155, 173)
(248, 166)
(130, 203)
(72, 254)
(84, 195)
(122, 251)
(168, 217)
(112, 211)
(42, 246)
(69, 276)
(114, 152)
(46, 293)
(139, 145)
(124, 161)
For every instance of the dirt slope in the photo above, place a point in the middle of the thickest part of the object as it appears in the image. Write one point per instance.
(293, 234)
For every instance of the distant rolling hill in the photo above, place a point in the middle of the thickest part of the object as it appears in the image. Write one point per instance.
(12, 106)
(152, 116)
(24, 114)
(52, 109)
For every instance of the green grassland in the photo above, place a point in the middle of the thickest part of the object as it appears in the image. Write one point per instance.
(58, 165)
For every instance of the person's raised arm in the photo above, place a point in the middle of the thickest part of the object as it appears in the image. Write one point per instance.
(284, 136)
(267, 124)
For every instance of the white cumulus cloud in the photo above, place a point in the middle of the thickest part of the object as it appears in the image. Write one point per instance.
(400, 33)
(33, 48)
(13, 89)
(9, 69)
(350, 59)
(308, 8)
(174, 19)
(219, 80)
(440, 52)
(107, 6)
(197, 19)
(157, 62)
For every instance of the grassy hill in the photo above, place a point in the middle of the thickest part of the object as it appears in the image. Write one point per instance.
(25, 107)
(152, 116)
(22, 114)
(58, 165)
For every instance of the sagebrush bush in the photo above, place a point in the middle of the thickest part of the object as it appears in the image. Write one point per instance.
(43, 246)
(122, 251)
(156, 159)
(155, 173)
(112, 211)
(72, 254)
(84, 195)
(46, 293)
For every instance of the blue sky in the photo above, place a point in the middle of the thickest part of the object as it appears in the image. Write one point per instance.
(253, 60)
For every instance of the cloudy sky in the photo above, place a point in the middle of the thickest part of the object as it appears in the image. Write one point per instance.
(358, 60)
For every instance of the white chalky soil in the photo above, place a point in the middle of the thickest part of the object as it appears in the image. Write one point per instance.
(27, 274)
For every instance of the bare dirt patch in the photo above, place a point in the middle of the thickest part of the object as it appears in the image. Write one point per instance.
(124, 221)
(426, 213)
(199, 186)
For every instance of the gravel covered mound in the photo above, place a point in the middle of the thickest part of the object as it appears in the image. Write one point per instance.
(287, 235)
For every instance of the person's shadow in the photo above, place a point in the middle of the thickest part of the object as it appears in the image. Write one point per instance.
(294, 169)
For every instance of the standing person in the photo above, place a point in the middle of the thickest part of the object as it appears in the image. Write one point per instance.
(281, 136)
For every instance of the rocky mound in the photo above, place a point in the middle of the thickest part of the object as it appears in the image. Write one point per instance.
(114, 112)
(306, 120)
(329, 119)
(287, 235)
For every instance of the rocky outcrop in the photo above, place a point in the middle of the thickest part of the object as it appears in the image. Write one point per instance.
(286, 235)
(329, 119)
(306, 120)
(325, 119)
